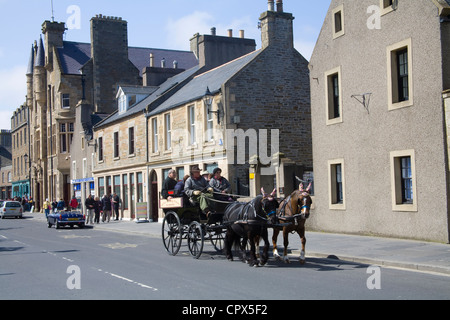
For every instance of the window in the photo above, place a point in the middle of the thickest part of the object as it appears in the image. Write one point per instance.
(399, 61)
(168, 130)
(386, 6)
(65, 136)
(155, 135)
(402, 71)
(336, 184)
(117, 185)
(191, 117)
(333, 96)
(100, 149)
(140, 187)
(125, 191)
(122, 103)
(116, 145)
(101, 187)
(131, 141)
(403, 181)
(209, 123)
(65, 103)
(338, 22)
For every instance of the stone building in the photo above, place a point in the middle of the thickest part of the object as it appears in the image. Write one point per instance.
(379, 76)
(5, 165)
(259, 110)
(20, 135)
(63, 75)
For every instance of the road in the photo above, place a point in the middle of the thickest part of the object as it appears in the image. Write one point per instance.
(41, 263)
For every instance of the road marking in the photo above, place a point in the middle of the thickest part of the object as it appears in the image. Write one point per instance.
(73, 236)
(128, 280)
(118, 245)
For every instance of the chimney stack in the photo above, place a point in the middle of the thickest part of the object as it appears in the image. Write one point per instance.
(230, 33)
(280, 6)
(213, 31)
(241, 34)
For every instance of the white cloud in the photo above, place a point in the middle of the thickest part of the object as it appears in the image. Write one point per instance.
(180, 31)
(13, 89)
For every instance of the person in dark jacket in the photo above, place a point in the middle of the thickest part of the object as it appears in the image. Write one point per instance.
(90, 209)
(106, 204)
(169, 184)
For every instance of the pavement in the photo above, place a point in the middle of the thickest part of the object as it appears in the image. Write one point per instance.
(385, 252)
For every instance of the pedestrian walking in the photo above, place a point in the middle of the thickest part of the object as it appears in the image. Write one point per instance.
(97, 208)
(90, 209)
(116, 202)
(47, 207)
(106, 206)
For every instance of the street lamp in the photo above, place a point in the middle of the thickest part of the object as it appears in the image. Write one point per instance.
(208, 99)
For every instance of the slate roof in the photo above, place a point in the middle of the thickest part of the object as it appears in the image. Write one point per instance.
(213, 79)
(73, 55)
(159, 93)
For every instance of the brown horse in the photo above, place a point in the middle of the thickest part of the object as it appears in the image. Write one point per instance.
(295, 210)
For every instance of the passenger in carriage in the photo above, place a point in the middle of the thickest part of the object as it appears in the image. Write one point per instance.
(169, 185)
(220, 185)
(195, 186)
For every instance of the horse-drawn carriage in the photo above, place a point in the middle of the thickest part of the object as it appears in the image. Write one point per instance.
(186, 221)
(232, 222)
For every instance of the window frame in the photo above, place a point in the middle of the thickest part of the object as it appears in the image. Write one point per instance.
(334, 204)
(398, 201)
(338, 33)
(394, 101)
(331, 98)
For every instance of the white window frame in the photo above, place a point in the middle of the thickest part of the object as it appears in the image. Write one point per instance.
(332, 184)
(340, 33)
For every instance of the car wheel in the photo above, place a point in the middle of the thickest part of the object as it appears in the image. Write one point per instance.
(56, 225)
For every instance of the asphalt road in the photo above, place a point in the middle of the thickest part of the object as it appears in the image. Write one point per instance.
(41, 263)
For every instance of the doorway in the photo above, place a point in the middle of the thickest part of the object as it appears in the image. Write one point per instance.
(154, 200)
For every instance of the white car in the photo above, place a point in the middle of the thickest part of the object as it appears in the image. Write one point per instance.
(10, 209)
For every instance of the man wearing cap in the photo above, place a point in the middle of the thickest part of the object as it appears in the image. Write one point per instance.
(195, 185)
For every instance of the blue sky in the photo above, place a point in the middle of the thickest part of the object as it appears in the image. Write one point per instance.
(167, 24)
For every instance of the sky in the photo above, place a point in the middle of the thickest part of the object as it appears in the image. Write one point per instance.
(167, 24)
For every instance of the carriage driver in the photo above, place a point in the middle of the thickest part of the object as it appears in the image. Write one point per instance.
(195, 185)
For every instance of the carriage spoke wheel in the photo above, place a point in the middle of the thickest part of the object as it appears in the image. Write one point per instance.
(172, 233)
(195, 239)
(218, 240)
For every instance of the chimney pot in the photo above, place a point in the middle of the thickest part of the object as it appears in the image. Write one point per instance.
(175, 64)
(280, 5)
(163, 63)
(213, 31)
(271, 5)
(152, 60)
(242, 34)
(230, 33)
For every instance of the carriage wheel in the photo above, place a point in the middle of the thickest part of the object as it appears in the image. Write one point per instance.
(172, 233)
(195, 239)
(218, 240)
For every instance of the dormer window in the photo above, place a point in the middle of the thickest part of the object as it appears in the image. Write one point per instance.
(127, 97)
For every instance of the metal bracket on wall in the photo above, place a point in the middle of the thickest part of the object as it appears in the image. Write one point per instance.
(364, 99)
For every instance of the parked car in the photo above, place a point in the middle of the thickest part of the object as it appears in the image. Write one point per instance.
(66, 218)
(11, 209)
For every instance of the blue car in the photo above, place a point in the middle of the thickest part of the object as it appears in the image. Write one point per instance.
(66, 218)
